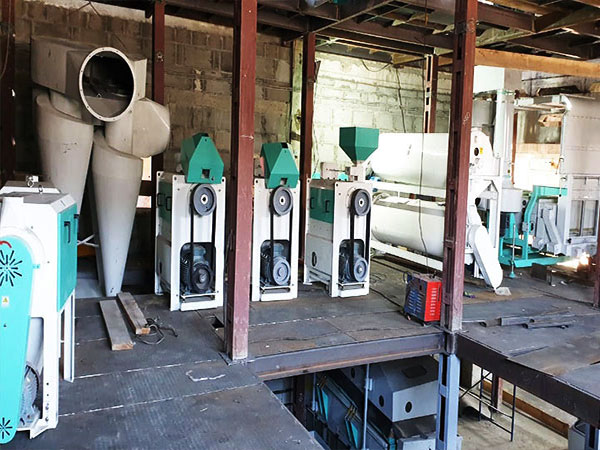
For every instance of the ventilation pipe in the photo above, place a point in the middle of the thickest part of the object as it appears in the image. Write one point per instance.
(105, 88)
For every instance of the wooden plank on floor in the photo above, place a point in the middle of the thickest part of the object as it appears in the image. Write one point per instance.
(134, 313)
(117, 329)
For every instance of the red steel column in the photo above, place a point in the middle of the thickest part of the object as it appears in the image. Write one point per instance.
(457, 183)
(306, 125)
(239, 191)
(8, 155)
(158, 92)
(431, 86)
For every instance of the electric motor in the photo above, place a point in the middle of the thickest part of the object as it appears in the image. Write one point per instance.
(275, 272)
(196, 273)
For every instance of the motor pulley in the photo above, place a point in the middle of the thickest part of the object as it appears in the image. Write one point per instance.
(282, 201)
(204, 199)
(360, 202)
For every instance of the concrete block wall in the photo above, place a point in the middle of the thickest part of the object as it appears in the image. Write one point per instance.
(198, 63)
(350, 92)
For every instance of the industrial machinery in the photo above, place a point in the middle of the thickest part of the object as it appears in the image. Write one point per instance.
(38, 273)
(423, 297)
(408, 208)
(90, 104)
(401, 399)
(190, 228)
(275, 226)
(338, 219)
(549, 222)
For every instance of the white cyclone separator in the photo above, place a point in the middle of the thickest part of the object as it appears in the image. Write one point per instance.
(117, 177)
(143, 131)
(65, 144)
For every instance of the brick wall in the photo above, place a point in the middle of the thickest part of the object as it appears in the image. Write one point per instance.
(198, 62)
(370, 94)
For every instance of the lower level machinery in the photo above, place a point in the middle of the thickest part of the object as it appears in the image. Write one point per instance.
(401, 400)
(275, 225)
(190, 228)
(38, 274)
(338, 220)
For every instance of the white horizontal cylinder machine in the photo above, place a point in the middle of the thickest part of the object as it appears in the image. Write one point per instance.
(338, 215)
(408, 209)
(190, 228)
(275, 232)
(38, 273)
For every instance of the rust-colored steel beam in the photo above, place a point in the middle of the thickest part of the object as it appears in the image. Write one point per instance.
(158, 94)
(431, 86)
(8, 151)
(306, 124)
(239, 193)
(457, 183)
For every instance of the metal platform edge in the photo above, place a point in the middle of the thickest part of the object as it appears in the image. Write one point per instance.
(328, 358)
(543, 385)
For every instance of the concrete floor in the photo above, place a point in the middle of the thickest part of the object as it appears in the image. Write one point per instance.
(529, 434)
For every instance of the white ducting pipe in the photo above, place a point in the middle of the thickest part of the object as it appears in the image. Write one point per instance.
(104, 80)
(117, 178)
(144, 131)
(65, 144)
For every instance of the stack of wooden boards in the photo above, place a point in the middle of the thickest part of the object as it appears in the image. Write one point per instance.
(118, 333)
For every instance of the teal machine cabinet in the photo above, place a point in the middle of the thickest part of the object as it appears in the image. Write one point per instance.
(338, 211)
(190, 228)
(516, 242)
(275, 232)
(38, 272)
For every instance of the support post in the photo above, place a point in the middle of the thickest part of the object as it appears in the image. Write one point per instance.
(457, 183)
(8, 155)
(306, 125)
(239, 192)
(299, 392)
(431, 86)
(596, 300)
(158, 95)
(447, 416)
(592, 438)
(496, 392)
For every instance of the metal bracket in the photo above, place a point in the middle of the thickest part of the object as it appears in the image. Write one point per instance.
(451, 343)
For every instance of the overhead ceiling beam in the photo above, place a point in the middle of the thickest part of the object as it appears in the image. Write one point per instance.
(595, 3)
(397, 33)
(557, 20)
(376, 42)
(526, 6)
(349, 12)
(510, 60)
(491, 14)
(336, 48)
(557, 46)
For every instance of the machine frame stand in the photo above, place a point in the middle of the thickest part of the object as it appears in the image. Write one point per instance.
(592, 437)
(447, 416)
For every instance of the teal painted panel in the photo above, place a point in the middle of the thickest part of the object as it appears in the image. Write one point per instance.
(280, 166)
(321, 204)
(359, 143)
(165, 200)
(16, 276)
(67, 254)
(200, 160)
